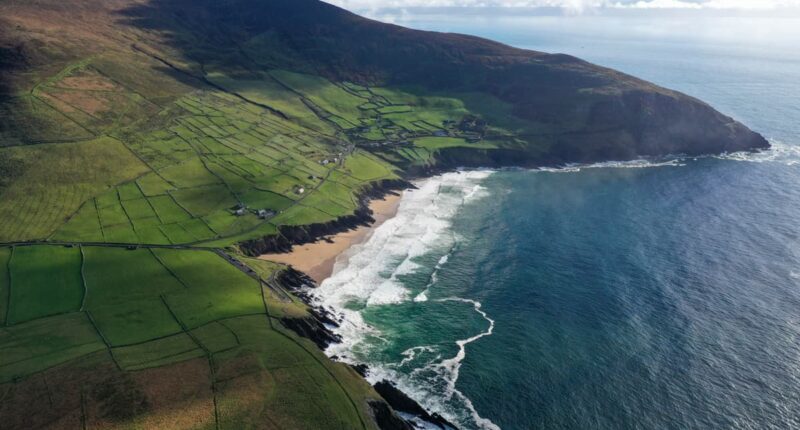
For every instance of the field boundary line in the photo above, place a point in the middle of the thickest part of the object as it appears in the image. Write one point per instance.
(83, 279)
(191, 215)
(210, 83)
(209, 356)
(97, 70)
(140, 158)
(38, 372)
(8, 294)
(195, 328)
(146, 364)
(83, 408)
(47, 388)
(161, 262)
(235, 336)
(66, 221)
(92, 134)
(125, 211)
(105, 340)
(34, 357)
(149, 203)
(99, 218)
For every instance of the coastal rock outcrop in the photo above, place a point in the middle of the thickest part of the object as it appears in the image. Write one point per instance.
(315, 328)
(401, 402)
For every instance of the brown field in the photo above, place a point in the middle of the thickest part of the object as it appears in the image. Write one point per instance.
(90, 102)
(178, 396)
(88, 81)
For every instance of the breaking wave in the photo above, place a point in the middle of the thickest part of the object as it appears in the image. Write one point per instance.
(434, 278)
(452, 366)
(631, 164)
(369, 274)
(778, 152)
(433, 379)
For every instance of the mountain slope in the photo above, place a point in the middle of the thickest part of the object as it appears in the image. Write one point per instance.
(584, 112)
(613, 115)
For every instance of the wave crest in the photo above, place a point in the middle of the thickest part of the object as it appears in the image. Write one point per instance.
(630, 164)
(370, 274)
(778, 152)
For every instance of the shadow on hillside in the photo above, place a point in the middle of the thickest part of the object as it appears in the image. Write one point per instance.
(316, 37)
(229, 34)
(11, 59)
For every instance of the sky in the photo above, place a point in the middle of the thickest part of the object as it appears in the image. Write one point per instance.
(573, 5)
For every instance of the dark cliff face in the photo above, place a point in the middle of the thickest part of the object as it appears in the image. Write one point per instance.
(590, 113)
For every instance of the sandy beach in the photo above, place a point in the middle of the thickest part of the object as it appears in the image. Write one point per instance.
(317, 259)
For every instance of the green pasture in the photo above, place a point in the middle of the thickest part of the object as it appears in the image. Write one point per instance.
(125, 289)
(217, 291)
(158, 352)
(5, 282)
(45, 280)
(56, 180)
(36, 345)
(325, 94)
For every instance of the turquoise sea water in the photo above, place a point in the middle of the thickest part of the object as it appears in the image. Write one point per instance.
(659, 294)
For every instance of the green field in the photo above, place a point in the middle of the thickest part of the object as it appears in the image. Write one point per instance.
(5, 282)
(324, 94)
(182, 310)
(217, 292)
(124, 294)
(56, 179)
(270, 92)
(44, 281)
(37, 345)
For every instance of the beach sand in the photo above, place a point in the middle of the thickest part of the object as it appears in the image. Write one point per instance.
(317, 259)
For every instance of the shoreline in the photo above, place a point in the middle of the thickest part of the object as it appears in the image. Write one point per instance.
(309, 264)
(317, 259)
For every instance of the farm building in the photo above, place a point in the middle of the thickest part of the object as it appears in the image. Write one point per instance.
(265, 213)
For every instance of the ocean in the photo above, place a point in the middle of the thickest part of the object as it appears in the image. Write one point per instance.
(653, 294)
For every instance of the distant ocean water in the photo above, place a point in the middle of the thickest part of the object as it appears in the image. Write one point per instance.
(651, 294)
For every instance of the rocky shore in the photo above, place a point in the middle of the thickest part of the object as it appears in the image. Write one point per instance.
(315, 328)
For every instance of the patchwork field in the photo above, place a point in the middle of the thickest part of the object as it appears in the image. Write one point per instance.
(176, 173)
(187, 315)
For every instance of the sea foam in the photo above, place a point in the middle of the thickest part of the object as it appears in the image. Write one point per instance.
(369, 274)
(778, 152)
(630, 164)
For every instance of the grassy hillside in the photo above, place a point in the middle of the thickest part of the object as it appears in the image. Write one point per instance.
(142, 142)
(157, 337)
